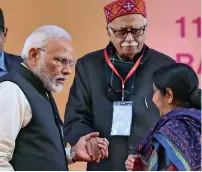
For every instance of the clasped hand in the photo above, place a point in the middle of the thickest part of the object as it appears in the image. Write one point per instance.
(91, 148)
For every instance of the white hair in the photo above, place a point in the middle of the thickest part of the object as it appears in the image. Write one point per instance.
(145, 22)
(40, 37)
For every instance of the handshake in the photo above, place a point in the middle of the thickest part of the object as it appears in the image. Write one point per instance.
(90, 148)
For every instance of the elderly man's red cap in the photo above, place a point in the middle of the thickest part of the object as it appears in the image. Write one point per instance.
(123, 7)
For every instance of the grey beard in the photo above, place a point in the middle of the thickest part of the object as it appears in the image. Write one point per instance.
(47, 79)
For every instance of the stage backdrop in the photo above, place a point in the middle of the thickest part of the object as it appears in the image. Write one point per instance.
(174, 28)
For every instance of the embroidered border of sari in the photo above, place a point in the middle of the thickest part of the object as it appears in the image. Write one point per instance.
(179, 132)
(173, 153)
(153, 162)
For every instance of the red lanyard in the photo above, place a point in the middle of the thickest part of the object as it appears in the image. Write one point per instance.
(130, 73)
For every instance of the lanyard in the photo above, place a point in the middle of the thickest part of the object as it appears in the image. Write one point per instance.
(130, 73)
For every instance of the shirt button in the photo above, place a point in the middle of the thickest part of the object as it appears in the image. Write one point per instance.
(131, 147)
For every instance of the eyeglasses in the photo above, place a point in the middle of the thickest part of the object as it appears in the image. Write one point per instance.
(62, 60)
(123, 33)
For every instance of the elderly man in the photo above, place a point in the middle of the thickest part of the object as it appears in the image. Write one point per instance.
(7, 61)
(31, 131)
(112, 89)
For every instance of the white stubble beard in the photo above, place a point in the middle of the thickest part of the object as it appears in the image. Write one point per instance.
(49, 80)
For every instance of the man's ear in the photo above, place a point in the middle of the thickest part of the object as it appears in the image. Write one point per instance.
(33, 55)
(108, 31)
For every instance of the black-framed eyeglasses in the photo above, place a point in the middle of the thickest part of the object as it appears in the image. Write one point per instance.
(62, 60)
(123, 33)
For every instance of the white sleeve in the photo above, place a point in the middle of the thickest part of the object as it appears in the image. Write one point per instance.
(68, 155)
(15, 113)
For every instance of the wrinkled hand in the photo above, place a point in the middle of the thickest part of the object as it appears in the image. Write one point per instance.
(98, 148)
(80, 149)
(82, 153)
(135, 163)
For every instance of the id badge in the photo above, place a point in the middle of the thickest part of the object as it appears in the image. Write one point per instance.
(122, 118)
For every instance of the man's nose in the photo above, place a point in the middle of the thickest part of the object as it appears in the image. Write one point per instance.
(129, 37)
(66, 70)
